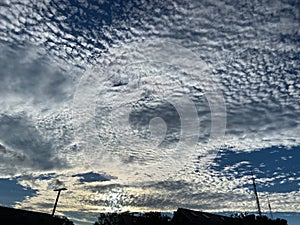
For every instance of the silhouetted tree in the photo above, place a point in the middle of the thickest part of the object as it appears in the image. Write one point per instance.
(246, 219)
(108, 218)
(151, 218)
(156, 218)
(61, 221)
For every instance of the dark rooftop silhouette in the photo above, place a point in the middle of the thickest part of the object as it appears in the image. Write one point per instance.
(11, 216)
(191, 217)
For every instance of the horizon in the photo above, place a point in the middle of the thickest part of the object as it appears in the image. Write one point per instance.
(292, 218)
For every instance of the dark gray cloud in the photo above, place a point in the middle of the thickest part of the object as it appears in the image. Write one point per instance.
(24, 147)
(28, 76)
(92, 177)
(55, 183)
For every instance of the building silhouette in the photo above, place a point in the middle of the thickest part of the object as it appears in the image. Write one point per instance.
(191, 217)
(11, 216)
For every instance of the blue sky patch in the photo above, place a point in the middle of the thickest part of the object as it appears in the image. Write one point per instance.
(279, 163)
(12, 192)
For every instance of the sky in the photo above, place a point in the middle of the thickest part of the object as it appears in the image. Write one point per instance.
(150, 105)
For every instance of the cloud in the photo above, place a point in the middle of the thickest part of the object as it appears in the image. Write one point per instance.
(30, 79)
(34, 117)
(92, 177)
(251, 50)
(214, 195)
(24, 147)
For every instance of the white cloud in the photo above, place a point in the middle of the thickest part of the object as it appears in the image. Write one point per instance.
(250, 56)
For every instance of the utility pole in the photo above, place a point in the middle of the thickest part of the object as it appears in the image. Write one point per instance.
(256, 195)
(58, 194)
(269, 204)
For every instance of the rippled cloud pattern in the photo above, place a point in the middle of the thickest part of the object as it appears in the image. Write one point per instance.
(150, 105)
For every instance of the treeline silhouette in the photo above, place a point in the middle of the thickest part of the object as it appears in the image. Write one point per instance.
(184, 217)
(132, 218)
(249, 219)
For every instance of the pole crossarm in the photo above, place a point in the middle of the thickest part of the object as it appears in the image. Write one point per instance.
(57, 197)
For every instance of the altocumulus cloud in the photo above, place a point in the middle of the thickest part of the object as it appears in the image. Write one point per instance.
(32, 89)
(46, 45)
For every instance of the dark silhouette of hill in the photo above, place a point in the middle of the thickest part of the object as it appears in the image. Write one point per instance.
(184, 217)
(11, 216)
